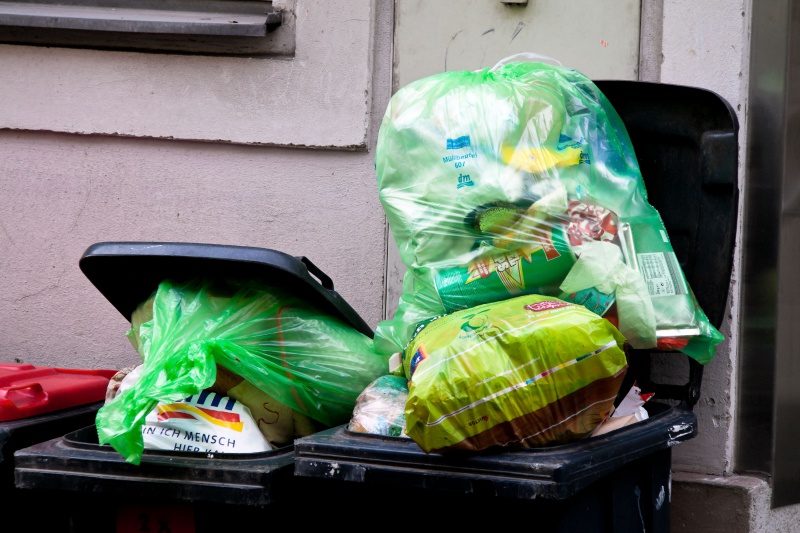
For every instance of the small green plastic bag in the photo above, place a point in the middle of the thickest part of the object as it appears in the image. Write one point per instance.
(305, 358)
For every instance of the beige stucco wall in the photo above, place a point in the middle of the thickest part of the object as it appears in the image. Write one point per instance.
(706, 45)
(62, 192)
(320, 97)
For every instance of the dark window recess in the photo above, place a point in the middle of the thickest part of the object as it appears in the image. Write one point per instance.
(223, 27)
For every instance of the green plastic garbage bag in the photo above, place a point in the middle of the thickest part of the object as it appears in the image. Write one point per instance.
(305, 358)
(501, 182)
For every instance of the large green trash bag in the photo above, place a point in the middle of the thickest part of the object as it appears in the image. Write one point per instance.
(515, 180)
(303, 357)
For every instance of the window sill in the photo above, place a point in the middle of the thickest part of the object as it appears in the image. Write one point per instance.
(226, 27)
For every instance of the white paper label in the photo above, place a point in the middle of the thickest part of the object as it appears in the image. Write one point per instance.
(662, 274)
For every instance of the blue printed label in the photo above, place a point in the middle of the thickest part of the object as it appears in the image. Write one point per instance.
(416, 359)
(458, 142)
(464, 181)
(565, 142)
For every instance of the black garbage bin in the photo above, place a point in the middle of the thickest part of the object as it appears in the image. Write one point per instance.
(38, 403)
(685, 140)
(179, 491)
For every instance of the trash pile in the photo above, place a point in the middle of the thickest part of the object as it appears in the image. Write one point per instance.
(534, 262)
(533, 259)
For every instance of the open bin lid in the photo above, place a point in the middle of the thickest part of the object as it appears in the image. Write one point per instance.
(127, 274)
(686, 144)
(685, 140)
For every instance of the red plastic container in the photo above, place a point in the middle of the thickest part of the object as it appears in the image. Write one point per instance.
(28, 390)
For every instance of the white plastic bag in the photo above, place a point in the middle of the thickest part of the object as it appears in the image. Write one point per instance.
(207, 422)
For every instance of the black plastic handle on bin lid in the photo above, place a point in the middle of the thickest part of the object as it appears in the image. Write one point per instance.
(128, 273)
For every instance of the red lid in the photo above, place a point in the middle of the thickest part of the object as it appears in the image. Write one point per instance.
(28, 390)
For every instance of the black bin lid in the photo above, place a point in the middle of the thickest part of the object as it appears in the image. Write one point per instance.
(127, 273)
(686, 143)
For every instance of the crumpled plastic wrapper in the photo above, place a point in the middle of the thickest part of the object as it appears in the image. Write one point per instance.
(380, 408)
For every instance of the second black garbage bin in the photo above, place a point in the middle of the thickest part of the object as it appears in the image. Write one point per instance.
(184, 491)
(685, 140)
